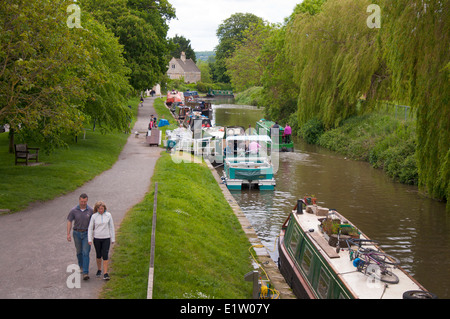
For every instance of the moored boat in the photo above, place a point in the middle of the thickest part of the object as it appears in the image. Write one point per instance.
(220, 93)
(190, 96)
(283, 142)
(174, 96)
(205, 108)
(180, 111)
(321, 263)
(247, 162)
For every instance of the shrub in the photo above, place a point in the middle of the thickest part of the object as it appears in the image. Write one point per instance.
(312, 130)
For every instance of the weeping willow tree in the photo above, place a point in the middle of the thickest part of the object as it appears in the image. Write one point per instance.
(415, 36)
(335, 56)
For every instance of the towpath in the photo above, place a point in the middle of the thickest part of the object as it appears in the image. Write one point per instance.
(34, 251)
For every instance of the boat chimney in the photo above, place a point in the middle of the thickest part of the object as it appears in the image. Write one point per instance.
(300, 206)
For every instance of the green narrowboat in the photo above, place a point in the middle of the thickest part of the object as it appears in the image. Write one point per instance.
(285, 143)
(315, 269)
(220, 93)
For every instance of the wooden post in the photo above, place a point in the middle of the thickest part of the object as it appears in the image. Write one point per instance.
(152, 249)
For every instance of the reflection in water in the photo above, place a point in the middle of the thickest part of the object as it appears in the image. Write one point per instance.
(409, 226)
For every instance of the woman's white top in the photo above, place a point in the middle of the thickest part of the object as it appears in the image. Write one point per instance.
(101, 226)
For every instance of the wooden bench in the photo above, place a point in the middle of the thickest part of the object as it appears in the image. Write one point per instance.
(23, 153)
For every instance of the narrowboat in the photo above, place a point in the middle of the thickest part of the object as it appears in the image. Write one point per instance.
(317, 265)
(283, 143)
(220, 93)
(190, 96)
(247, 162)
(181, 111)
(205, 108)
(174, 96)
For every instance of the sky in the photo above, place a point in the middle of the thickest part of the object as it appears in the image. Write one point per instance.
(198, 20)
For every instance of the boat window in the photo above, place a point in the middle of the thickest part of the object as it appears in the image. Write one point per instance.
(342, 296)
(294, 240)
(324, 284)
(307, 260)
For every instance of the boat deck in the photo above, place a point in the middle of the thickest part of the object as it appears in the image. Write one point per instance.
(360, 284)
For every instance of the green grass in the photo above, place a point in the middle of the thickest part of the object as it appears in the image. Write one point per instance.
(162, 110)
(382, 140)
(61, 172)
(201, 249)
(252, 96)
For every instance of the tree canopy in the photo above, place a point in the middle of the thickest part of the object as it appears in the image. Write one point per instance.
(57, 76)
(415, 37)
(244, 66)
(141, 26)
(230, 34)
(181, 44)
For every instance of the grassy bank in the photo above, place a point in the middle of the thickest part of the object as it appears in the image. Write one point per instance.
(382, 140)
(201, 249)
(163, 111)
(61, 172)
(252, 96)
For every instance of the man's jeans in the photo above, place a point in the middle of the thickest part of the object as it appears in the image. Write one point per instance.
(83, 249)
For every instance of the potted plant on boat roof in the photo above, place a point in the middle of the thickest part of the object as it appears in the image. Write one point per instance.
(349, 230)
(310, 200)
(330, 226)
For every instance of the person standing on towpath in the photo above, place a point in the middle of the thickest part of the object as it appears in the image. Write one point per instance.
(80, 216)
(101, 233)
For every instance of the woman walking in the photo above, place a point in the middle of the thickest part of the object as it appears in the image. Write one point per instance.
(101, 233)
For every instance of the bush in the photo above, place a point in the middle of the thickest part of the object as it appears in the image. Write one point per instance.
(312, 130)
(383, 141)
(252, 96)
(204, 87)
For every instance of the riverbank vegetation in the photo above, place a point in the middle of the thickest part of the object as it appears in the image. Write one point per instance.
(201, 250)
(333, 62)
(383, 141)
(200, 87)
(251, 96)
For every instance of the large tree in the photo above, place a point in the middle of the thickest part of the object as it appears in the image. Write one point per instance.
(50, 74)
(244, 67)
(180, 44)
(334, 55)
(230, 34)
(39, 85)
(279, 80)
(416, 37)
(141, 26)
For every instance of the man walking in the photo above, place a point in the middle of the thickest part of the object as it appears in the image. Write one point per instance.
(80, 217)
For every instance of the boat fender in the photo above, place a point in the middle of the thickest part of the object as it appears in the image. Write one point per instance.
(357, 261)
(419, 294)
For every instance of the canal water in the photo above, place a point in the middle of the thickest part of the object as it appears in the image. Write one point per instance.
(408, 225)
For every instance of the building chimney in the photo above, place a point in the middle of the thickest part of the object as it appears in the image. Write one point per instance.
(183, 56)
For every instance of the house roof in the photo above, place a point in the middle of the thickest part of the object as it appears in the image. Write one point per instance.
(188, 65)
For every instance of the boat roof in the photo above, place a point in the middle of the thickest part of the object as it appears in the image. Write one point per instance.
(259, 138)
(267, 124)
(361, 285)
